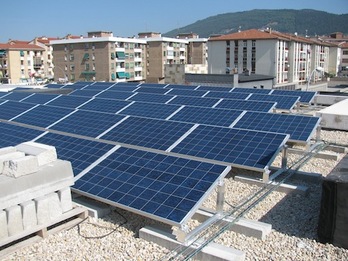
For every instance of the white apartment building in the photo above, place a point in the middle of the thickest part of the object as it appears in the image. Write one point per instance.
(289, 58)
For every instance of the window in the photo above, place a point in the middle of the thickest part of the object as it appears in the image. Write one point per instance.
(87, 67)
(72, 67)
(86, 46)
(345, 52)
(29, 63)
(112, 66)
(71, 58)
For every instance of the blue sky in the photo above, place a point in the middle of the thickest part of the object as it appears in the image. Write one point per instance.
(24, 20)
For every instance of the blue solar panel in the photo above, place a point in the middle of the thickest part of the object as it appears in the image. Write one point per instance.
(182, 92)
(16, 96)
(39, 98)
(54, 85)
(85, 93)
(300, 128)
(151, 110)
(210, 116)
(76, 85)
(12, 135)
(178, 86)
(87, 123)
(150, 97)
(305, 97)
(214, 88)
(283, 102)
(165, 188)
(154, 85)
(149, 133)
(43, 115)
(247, 105)
(10, 109)
(151, 90)
(116, 95)
(228, 95)
(122, 88)
(67, 101)
(81, 153)
(105, 105)
(252, 149)
(194, 101)
(252, 90)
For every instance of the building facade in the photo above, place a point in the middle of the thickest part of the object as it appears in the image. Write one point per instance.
(21, 62)
(289, 58)
(99, 57)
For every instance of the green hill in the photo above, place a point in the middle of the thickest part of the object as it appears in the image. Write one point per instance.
(303, 21)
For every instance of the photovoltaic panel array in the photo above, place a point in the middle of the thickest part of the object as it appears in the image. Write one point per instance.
(210, 116)
(247, 105)
(251, 90)
(165, 188)
(194, 101)
(283, 102)
(150, 97)
(105, 105)
(123, 88)
(16, 96)
(151, 110)
(10, 109)
(299, 127)
(228, 95)
(183, 92)
(68, 101)
(214, 88)
(117, 95)
(151, 90)
(85, 93)
(151, 133)
(305, 96)
(234, 146)
(178, 86)
(39, 98)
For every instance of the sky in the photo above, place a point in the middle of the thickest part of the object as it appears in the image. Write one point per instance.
(25, 20)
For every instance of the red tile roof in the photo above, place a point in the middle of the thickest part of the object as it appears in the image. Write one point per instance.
(21, 45)
(251, 34)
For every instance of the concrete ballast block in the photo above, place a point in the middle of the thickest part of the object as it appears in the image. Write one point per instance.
(42, 209)
(28, 214)
(45, 153)
(55, 209)
(3, 225)
(9, 156)
(14, 220)
(7, 150)
(21, 166)
(65, 199)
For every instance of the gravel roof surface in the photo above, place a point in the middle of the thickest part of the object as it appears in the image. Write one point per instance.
(294, 218)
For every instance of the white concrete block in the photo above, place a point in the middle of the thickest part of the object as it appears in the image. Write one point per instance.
(6, 150)
(9, 156)
(45, 153)
(28, 214)
(14, 220)
(65, 199)
(21, 166)
(42, 209)
(55, 209)
(3, 225)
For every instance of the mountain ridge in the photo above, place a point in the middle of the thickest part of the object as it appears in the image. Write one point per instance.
(304, 22)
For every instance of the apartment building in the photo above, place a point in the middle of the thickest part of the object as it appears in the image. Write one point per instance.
(289, 58)
(99, 57)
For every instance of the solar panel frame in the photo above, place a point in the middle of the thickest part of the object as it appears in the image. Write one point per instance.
(214, 88)
(248, 105)
(305, 96)
(151, 90)
(283, 102)
(115, 95)
(16, 96)
(184, 92)
(68, 101)
(194, 101)
(11, 109)
(40, 98)
(251, 90)
(85, 93)
(150, 110)
(228, 95)
(150, 97)
(105, 105)
(161, 187)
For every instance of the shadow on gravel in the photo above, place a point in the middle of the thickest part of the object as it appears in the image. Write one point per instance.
(296, 214)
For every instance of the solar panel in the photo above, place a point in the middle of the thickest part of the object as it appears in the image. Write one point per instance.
(246, 105)
(16, 96)
(178, 86)
(104, 105)
(80, 152)
(228, 95)
(210, 116)
(12, 135)
(151, 110)
(87, 123)
(67, 101)
(151, 90)
(214, 88)
(54, 85)
(117, 95)
(246, 148)
(10, 109)
(283, 102)
(183, 92)
(300, 128)
(85, 93)
(194, 101)
(305, 97)
(40, 98)
(122, 88)
(154, 85)
(151, 133)
(165, 188)
(251, 90)
(43, 115)
(150, 97)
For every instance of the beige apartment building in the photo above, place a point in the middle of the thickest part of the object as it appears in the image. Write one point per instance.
(21, 62)
(99, 57)
(291, 59)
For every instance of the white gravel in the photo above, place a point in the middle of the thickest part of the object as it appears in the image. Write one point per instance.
(294, 219)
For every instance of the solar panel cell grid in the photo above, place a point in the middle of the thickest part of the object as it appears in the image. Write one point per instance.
(151, 110)
(228, 95)
(10, 109)
(16, 96)
(194, 101)
(69, 101)
(39, 98)
(104, 105)
(150, 97)
(246, 105)
(85, 93)
(182, 92)
(283, 102)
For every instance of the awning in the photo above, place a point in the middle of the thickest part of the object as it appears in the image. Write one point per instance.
(88, 72)
(113, 77)
(86, 56)
(121, 75)
(2, 52)
(21, 53)
(120, 55)
(112, 55)
(127, 75)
